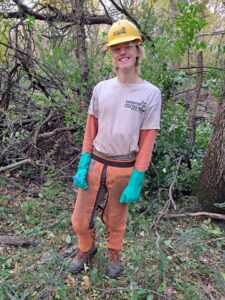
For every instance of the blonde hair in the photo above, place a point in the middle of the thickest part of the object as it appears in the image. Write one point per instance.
(138, 60)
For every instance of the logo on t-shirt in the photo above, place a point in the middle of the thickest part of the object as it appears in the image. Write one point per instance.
(136, 106)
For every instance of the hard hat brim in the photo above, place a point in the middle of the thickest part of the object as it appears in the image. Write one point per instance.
(123, 40)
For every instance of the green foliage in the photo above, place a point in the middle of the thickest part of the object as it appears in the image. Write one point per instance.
(213, 83)
(172, 143)
(188, 23)
(79, 121)
(211, 228)
(170, 46)
(4, 28)
(172, 146)
(203, 134)
(3, 48)
(31, 212)
(29, 22)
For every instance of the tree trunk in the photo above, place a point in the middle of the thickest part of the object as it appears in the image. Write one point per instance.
(81, 50)
(194, 101)
(210, 189)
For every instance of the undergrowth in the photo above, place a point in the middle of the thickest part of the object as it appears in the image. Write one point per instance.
(180, 259)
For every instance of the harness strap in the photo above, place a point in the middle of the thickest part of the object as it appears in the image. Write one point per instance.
(113, 163)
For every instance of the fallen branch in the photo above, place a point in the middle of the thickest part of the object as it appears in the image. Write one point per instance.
(197, 214)
(55, 131)
(211, 33)
(16, 165)
(15, 241)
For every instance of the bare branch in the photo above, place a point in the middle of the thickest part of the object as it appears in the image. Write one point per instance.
(55, 131)
(197, 214)
(126, 13)
(16, 165)
(204, 67)
(183, 92)
(211, 33)
(105, 9)
(58, 16)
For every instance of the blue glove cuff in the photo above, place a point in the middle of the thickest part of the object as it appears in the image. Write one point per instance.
(85, 160)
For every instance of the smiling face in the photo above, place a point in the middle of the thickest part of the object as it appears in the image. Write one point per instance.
(124, 56)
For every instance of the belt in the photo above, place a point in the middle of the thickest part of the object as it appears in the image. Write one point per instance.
(113, 163)
(126, 157)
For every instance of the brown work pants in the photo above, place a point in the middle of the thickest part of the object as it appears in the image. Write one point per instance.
(105, 186)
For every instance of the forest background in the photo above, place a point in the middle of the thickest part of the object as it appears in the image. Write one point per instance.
(52, 53)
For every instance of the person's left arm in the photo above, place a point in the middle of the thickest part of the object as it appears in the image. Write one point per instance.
(147, 136)
(146, 144)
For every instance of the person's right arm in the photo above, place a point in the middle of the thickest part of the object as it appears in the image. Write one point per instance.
(90, 133)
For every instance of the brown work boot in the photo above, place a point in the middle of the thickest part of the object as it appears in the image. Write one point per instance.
(113, 268)
(80, 259)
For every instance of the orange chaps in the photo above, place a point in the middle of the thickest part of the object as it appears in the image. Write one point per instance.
(106, 180)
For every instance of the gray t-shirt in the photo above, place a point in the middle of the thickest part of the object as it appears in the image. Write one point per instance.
(122, 111)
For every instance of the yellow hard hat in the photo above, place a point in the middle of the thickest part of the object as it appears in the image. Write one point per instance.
(123, 31)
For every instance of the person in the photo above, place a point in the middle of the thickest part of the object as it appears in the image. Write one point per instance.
(122, 123)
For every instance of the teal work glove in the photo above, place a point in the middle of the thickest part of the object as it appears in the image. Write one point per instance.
(132, 191)
(80, 177)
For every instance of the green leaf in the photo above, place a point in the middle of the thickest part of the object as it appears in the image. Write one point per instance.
(216, 231)
(68, 239)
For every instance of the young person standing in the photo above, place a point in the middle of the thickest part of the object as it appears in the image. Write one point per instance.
(123, 119)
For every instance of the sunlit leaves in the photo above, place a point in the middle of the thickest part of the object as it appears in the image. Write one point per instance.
(3, 48)
(188, 23)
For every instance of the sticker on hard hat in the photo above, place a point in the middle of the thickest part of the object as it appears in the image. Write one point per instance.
(119, 32)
